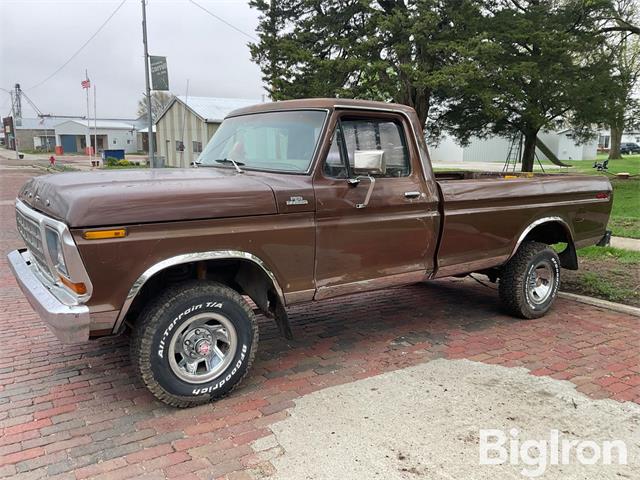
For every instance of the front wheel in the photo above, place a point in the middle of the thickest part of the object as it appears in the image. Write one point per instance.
(529, 281)
(195, 343)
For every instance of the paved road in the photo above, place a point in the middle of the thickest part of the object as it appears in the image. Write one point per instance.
(79, 412)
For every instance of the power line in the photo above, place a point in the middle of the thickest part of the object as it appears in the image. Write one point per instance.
(224, 21)
(81, 48)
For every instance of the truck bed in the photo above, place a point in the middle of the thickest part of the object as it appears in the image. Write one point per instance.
(485, 213)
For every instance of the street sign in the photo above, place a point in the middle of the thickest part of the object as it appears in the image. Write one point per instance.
(159, 73)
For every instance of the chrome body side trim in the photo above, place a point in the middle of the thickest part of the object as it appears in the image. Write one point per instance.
(188, 258)
(70, 323)
(73, 261)
(537, 223)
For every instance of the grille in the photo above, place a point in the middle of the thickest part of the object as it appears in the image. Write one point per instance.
(30, 233)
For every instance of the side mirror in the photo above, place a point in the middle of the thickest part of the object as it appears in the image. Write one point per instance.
(369, 162)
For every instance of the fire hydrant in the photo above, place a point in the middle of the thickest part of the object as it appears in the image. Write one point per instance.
(52, 161)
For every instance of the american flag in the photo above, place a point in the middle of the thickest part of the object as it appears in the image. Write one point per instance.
(86, 83)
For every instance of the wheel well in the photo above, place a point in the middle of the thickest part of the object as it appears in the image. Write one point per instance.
(244, 276)
(555, 233)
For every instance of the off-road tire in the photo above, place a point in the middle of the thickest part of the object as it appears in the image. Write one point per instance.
(512, 286)
(173, 308)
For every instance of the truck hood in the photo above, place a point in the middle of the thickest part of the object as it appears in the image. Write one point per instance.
(121, 197)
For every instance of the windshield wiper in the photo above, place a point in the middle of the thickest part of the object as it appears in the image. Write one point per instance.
(227, 161)
(235, 164)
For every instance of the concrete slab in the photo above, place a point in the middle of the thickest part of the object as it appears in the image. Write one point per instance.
(424, 422)
(626, 243)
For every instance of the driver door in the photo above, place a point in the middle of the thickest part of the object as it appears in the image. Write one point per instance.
(391, 240)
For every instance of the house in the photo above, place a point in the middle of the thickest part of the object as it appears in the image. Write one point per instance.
(75, 135)
(187, 123)
(496, 149)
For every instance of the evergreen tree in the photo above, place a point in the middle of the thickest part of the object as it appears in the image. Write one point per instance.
(386, 50)
(535, 64)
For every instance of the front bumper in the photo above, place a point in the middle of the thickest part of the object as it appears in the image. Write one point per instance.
(70, 323)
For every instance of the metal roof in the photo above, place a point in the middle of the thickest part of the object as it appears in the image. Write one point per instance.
(211, 109)
(104, 124)
(47, 123)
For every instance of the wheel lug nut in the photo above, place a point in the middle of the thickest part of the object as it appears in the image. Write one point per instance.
(197, 332)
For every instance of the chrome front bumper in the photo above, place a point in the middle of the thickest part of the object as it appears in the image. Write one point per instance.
(70, 323)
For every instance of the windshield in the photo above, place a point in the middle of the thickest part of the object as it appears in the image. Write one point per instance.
(283, 141)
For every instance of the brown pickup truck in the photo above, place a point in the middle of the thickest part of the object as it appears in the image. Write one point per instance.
(290, 202)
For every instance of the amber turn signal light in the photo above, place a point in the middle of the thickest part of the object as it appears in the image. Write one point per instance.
(79, 288)
(102, 234)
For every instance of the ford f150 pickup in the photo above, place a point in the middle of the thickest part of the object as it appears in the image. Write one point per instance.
(290, 202)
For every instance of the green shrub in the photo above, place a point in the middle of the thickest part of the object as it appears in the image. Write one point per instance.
(111, 161)
(124, 163)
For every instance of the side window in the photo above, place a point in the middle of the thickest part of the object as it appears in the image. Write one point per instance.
(378, 134)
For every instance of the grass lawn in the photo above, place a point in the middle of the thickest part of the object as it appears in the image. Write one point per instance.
(122, 167)
(609, 273)
(625, 215)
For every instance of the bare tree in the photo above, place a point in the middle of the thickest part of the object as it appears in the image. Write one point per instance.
(159, 100)
(622, 16)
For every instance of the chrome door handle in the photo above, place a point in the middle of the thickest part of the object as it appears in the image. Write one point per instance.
(411, 194)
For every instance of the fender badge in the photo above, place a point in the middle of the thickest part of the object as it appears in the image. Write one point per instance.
(297, 200)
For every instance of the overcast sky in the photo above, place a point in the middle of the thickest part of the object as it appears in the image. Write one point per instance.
(38, 36)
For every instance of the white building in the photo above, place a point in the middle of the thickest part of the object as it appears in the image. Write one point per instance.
(604, 138)
(496, 149)
(74, 136)
(187, 123)
(39, 133)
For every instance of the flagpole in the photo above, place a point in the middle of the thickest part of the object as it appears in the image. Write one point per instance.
(86, 76)
(95, 123)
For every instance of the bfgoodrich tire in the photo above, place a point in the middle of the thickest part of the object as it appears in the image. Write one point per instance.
(530, 280)
(195, 343)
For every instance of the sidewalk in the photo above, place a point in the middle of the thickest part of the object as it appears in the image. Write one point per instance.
(487, 166)
(626, 243)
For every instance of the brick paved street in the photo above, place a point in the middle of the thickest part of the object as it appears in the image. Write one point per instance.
(78, 412)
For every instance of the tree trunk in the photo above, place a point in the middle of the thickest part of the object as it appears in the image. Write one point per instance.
(615, 140)
(529, 151)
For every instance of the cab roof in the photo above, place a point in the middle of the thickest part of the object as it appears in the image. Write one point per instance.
(320, 103)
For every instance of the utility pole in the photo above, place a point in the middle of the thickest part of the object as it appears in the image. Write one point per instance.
(148, 84)
(88, 135)
(16, 107)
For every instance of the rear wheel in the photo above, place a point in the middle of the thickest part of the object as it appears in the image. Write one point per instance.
(529, 281)
(195, 343)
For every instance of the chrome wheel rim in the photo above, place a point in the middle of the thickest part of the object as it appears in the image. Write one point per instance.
(540, 282)
(203, 347)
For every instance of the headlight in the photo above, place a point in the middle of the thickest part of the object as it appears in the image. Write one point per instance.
(55, 251)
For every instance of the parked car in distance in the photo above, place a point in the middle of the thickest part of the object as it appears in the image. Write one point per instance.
(629, 148)
(290, 202)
